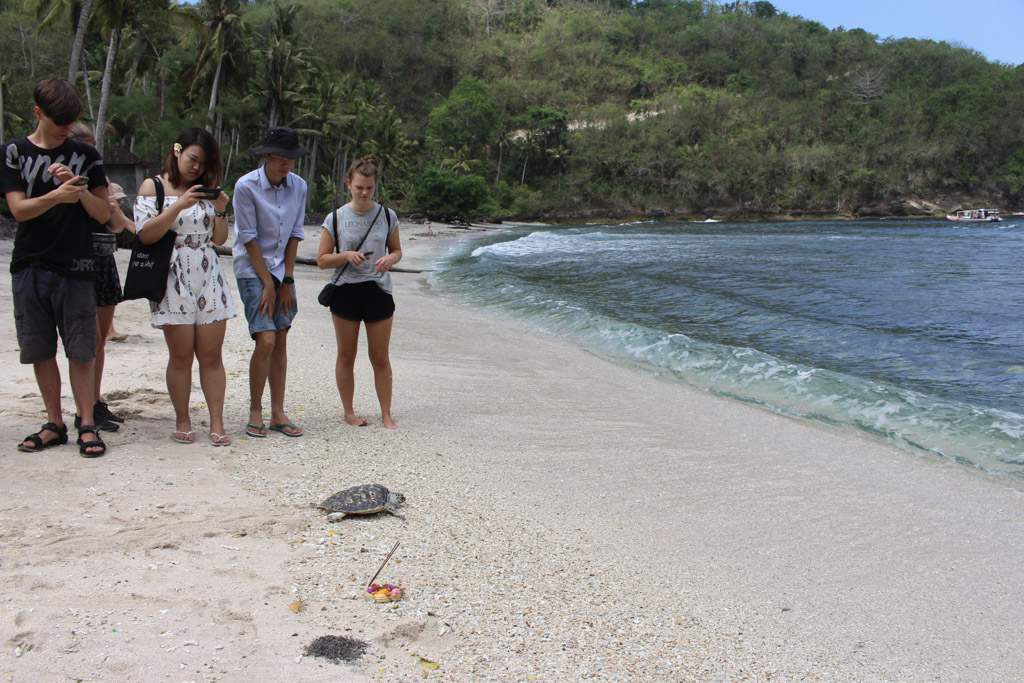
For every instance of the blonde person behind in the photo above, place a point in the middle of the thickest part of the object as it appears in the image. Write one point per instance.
(107, 283)
(197, 304)
(364, 284)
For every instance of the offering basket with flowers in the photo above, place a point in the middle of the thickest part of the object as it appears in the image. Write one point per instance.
(386, 592)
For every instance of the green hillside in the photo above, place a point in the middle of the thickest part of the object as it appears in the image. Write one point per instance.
(558, 109)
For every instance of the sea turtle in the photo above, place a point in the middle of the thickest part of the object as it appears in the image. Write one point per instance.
(364, 499)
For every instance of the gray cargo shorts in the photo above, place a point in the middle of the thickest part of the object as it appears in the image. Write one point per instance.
(48, 303)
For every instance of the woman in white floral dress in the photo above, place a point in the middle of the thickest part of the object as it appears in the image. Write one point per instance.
(194, 311)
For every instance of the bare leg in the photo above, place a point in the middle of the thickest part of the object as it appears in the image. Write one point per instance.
(347, 333)
(278, 377)
(212, 377)
(114, 335)
(259, 370)
(181, 347)
(104, 323)
(378, 343)
(82, 376)
(48, 378)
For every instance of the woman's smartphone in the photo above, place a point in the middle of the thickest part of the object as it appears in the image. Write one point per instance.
(209, 192)
(81, 181)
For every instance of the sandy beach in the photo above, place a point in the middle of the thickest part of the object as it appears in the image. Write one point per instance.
(566, 520)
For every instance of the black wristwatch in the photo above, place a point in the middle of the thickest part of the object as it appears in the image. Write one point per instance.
(288, 280)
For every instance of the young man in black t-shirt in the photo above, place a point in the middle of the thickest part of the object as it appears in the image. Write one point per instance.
(53, 187)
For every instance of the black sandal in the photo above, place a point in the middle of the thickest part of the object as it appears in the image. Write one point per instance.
(37, 439)
(97, 443)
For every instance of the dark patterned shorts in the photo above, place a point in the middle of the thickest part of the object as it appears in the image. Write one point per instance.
(107, 282)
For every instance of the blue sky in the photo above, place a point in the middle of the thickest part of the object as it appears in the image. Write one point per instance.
(995, 28)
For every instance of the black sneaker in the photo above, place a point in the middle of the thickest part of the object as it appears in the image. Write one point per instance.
(101, 423)
(101, 412)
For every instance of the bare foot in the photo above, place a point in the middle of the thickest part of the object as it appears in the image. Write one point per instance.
(355, 420)
(389, 423)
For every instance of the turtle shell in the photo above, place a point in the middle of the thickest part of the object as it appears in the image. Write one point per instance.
(358, 500)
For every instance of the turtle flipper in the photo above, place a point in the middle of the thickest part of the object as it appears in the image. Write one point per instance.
(335, 516)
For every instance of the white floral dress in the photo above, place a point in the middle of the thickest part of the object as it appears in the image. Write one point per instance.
(197, 292)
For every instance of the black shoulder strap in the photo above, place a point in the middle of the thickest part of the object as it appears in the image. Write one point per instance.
(365, 235)
(159, 185)
(337, 247)
(372, 223)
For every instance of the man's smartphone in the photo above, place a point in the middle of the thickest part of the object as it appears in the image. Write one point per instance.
(209, 192)
(367, 254)
(81, 181)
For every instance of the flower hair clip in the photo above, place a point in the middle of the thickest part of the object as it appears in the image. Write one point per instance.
(177, 148)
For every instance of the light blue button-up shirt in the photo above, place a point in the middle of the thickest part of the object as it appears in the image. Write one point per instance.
(269, 214)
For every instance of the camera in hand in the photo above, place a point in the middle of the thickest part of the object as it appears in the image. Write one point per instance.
(209, 192)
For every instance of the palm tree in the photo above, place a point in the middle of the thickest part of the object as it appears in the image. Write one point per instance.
(79, 12)
(223, 32)
(113, 17)
(284, 64)
(351, 124)
(458, 160)
(323, 117)
(504, 141)
(84, 13)
(559, 154)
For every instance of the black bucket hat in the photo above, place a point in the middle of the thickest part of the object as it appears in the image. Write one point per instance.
(281, 141)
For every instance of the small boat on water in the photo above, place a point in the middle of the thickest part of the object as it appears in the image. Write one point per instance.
(975, 216)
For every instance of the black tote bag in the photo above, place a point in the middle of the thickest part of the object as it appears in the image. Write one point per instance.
(150, 263)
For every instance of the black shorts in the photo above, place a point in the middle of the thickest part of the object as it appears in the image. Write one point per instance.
(362, 301)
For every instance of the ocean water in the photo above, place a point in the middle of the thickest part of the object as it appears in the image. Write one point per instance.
(912, 331)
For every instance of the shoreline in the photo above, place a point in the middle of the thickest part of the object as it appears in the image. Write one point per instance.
(566, 519)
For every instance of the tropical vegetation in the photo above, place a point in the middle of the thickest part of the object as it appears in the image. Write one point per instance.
(542, 108)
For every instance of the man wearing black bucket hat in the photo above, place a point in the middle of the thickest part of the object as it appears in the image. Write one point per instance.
(270, 208)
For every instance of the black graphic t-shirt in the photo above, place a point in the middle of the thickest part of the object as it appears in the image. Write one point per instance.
(60, 238)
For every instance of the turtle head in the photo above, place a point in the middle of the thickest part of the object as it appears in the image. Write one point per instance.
(395, 499)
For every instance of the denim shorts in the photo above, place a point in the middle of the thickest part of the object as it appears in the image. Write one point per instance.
(251, 290)
(362, 302)
(48, 303)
